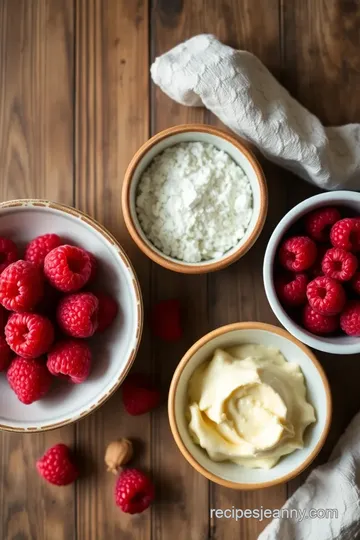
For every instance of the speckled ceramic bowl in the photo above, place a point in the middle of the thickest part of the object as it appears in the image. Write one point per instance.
(237, 151)
(114, 351)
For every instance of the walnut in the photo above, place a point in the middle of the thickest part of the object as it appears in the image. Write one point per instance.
(117, 454)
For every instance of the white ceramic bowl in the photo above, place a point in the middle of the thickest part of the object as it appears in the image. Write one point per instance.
(318, 394)
(337, 344)
(222, 140)
(114, 351)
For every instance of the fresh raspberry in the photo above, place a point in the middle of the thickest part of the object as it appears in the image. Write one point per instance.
(57, 466)
(319, 223)
(77, 314)
(70, 359)
(37, 249)
(8, 252)
(139, 394)
(291, 288)
(29, 335)
(339, 264)
(165, 320)
(355, 282)
(67, 268)
(134, 491)
(29, 378)
(317, 323)
(326, 295)
(21, 286)
(345, 234)
(5, 354)
(108, 309)
(298, 253)
(94, 267)
(350, 318)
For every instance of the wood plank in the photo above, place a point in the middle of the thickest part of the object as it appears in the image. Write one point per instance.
(111, 123)
(320, 50)
(36, 160)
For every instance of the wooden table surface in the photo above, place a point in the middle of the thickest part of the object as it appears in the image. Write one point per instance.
(75, 104)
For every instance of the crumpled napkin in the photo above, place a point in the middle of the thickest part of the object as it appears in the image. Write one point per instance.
(240, 90)
(335, 485)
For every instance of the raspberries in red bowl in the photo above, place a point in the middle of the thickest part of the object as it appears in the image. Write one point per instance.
(311, 272)
(71, 315)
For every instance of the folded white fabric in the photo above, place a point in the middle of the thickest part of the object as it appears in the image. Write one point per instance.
(240, 90)
(335, 485)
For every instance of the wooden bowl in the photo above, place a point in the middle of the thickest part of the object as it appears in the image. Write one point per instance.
(222, 140)
(229, 474)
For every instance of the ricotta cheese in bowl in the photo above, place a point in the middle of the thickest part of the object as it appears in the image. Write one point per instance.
(193, 202)
(248, 405)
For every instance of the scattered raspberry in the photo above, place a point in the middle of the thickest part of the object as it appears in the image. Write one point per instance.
(139, 394)
(298, 253)
(8, 252)
(345, 234)
(325, 295)
(57, 466)
(108, 309)
(21, 286)
(339, 264)
(38, 248)
(134, 491)
(319, 223)
(77, 314)
(29, 378)
(350, 318)
(355, 282)
(67, 268)
(70, 359)
(29, 335)
(94, 267)
(5, 354)
(317, 323)
(291, 289)
(165, 320)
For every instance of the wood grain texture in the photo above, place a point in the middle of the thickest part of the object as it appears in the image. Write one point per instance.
(36, 160)
(112, 76)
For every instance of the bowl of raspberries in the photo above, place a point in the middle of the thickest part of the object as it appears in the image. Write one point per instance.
(312, 272)
(70, 315)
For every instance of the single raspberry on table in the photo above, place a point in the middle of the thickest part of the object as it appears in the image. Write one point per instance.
(139, 394)
(29, 335)
(68, 268)
(57, 466)
(319, 223)
(70, 359)
(291, 288)
(134, 491)
(325, 295)
(339, 264)
(77, 314)
(350, 318)
(317, 323)
(29, 378)
(108, 310)
(8, 252)
(297, 253)
(94, 266)
(345, 234)
(21, 286)
(5, 354)
(355, 282)
(166, 320)
(39, 247)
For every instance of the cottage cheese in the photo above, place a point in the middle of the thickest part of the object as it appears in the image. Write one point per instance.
(194, 202)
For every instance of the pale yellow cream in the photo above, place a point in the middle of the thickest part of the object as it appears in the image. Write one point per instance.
(248, 405)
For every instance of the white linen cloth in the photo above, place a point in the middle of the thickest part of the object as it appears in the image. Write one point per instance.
(335, 485)
(240, 90)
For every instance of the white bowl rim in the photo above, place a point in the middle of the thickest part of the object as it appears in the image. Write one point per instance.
(172, 415)
(277, 234)
(45, 203)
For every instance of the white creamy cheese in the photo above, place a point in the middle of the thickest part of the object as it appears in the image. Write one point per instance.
(194, 202)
